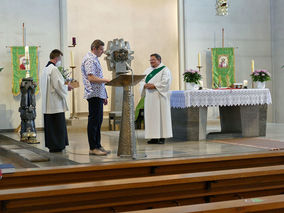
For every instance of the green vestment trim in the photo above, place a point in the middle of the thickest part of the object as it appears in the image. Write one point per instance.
(153, 73)
(140, 105)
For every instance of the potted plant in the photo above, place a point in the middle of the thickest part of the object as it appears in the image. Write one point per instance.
(191, 78)
(260, 77)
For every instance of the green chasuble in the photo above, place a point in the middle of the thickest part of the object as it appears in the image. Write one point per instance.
(140, 105)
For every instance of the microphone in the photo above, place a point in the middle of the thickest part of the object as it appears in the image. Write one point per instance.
(128, 66)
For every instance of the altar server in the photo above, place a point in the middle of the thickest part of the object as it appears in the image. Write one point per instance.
(54, 105)
(157, 111)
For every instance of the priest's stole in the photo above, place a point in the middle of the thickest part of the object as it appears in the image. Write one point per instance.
(19, 64)
(223, 67)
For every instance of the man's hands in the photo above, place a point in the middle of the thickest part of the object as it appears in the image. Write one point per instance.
(149, 86)
(95, 79)
(105, 101)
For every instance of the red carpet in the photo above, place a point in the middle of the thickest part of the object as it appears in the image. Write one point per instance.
(261, 143)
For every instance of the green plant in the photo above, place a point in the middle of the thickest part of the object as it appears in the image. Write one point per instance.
(261, 75)
(192, 76)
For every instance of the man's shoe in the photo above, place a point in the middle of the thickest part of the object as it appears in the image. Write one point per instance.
(103, 150)
(153, 141)
(97, 152)
(161, 141)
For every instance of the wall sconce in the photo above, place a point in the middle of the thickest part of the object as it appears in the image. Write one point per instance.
(222, 7)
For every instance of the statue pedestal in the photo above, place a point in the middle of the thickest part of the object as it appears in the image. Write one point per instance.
(127, 139)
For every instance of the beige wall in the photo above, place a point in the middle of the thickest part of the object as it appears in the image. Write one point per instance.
(150, 26)
(41, 20)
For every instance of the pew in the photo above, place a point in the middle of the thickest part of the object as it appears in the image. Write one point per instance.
(265, 204)
(146, 192)
(142, 168)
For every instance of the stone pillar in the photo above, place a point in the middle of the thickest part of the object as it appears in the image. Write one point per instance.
(189, 123)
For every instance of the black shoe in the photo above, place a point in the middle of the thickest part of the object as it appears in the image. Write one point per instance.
(153, 141)
(55, 150)
(161, 141)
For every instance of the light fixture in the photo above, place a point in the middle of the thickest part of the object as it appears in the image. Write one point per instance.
(222, 7)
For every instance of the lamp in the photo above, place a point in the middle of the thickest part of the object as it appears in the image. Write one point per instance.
(222, 7)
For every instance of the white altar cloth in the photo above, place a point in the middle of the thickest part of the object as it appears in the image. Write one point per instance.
(213, 97)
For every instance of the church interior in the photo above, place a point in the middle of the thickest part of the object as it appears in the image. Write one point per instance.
(226, 63)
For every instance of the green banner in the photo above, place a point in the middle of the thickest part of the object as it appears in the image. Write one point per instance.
(223, 67)
(19, 67)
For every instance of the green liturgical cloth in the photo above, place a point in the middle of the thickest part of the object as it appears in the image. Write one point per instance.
(140, 105)
(223, 67)
(19, 67)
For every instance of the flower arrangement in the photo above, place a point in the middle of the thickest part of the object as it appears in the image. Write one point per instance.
(261, 75)
(192, 76)
(65, 74)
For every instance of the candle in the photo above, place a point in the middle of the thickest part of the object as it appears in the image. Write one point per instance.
(199, 59)
(245, 83)
(72, 59)
(27, 57)
(27, 64)
(252, 65)
(74, 41)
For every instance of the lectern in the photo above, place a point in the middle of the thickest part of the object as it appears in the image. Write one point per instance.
(127, 139)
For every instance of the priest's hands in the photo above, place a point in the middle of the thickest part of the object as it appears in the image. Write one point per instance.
(149, 86)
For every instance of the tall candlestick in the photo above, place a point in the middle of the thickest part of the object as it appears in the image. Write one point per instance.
(72, 59)
(199, 59)
(252, 65)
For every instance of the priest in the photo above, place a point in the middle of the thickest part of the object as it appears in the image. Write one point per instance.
(157, 110)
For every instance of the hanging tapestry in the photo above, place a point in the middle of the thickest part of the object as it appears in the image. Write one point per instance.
(21, 61)
(223, 67)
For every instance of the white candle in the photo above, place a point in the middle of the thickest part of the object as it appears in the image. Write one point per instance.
(252, 65)
(72, 59)
(199, 59)
(27, 57)
(245, 83)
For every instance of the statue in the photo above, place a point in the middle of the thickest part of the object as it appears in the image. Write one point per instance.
(28, 104)
(27, 110)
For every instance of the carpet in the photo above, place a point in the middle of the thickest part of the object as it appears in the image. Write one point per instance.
(262, 143)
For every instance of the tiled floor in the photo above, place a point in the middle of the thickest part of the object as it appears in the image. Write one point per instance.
(78, 149)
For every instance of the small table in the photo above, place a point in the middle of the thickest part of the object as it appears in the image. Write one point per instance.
(242, 111)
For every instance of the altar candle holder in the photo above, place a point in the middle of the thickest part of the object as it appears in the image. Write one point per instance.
(74, 114)
(199, 67)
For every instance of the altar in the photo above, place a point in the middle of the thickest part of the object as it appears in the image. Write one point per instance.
(242, 112)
